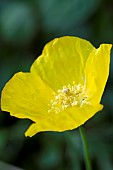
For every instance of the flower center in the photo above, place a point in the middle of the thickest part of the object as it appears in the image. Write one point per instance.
(71, 95)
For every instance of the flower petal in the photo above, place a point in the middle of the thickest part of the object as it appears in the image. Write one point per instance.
(63, 61)
(66, 120)
(32, 130)
(96, 71)
(26, 96)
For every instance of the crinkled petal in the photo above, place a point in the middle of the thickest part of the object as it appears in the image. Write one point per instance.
(63, 61)
(97, 71)
(66, 120)
(26, 96)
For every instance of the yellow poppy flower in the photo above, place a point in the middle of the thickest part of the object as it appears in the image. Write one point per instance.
(64, 87)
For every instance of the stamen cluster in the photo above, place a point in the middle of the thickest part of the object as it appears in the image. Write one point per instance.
(71, 95)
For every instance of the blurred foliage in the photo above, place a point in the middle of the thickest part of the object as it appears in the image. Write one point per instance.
(25, 27)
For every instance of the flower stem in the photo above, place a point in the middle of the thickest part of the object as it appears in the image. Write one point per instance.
(85, 148)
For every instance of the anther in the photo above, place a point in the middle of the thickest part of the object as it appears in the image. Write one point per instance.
(69, 96)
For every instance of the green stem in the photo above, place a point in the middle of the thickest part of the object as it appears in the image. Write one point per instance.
(85, 148)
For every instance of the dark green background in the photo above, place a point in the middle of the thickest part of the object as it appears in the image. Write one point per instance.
(25, 27)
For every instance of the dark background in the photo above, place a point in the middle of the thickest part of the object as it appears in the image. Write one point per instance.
(25, 27)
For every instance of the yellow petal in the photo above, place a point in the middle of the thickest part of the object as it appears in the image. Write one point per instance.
(26, 96)
(97, 71)
(32, 130)
(66, 120)
(63, 61)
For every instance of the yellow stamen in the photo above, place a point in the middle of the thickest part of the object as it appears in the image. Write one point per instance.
(71, 95)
